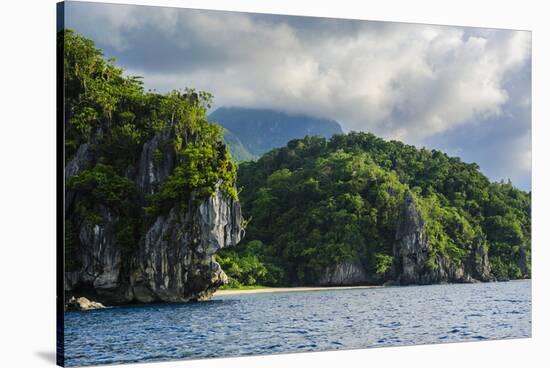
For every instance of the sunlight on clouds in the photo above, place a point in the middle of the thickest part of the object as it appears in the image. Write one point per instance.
(402, 81)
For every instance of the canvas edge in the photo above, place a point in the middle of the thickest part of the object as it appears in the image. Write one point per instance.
(60, 186)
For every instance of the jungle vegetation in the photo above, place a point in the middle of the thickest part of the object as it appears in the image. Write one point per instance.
(318, 202)
(309, 205)
(112, 113)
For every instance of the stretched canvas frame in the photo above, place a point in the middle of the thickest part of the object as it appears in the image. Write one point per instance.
(400, 267)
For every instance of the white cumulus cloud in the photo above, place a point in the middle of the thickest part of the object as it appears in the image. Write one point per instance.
(403, 81)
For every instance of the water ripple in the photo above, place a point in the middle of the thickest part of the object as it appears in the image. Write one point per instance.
(249, 324)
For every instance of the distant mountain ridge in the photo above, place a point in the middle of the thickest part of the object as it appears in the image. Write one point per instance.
(253, 132)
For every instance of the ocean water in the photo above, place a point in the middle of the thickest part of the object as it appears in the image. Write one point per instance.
(234, 325)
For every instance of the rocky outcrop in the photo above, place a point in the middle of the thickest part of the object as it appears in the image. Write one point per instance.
(102, 268)
(82, 160)
(411, 252)
(156, 163)
(174, 259)
(345, 273)
(82, 304)
(477, 265)
(411, 245)
(413, 262)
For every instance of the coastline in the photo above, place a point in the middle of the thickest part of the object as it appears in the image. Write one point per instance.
(289, 289)
(261, 290)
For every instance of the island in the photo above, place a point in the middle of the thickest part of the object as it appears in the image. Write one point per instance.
(157, 209)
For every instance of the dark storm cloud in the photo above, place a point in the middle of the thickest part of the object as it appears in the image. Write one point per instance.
(464, 90)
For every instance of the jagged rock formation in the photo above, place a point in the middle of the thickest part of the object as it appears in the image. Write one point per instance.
(412, 250)
(82, 304)
(478, 265)
(81, 161)
(174, 260)
(153, 170)
(345, 273)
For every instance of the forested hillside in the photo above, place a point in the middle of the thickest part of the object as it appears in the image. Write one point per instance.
(318, 203)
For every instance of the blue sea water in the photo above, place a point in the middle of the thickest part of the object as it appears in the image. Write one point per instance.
(234, 325)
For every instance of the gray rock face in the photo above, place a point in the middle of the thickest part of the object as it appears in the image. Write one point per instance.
(478, 265)
(100, 260)
(82, 160)
(411, 252)
(156, 163)
(83, 304)
(174, 261)
(411, 244)
(345, 273)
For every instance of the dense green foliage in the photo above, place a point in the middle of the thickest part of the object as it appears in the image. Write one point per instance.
(250, 264)
(317, 202)
(309, 205)
(115, 116)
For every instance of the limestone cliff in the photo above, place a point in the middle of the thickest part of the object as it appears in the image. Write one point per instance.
(345, 273)
(173, 261)
(411, 252)
(412, 249)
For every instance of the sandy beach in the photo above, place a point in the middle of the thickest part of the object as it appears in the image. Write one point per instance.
(289, 289)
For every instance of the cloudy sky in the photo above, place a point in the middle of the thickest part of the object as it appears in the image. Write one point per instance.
(466, 91)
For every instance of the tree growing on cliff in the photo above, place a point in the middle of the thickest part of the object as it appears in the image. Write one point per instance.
(110, 112)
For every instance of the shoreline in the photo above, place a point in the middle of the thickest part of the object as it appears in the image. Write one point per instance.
(261, 290)
(290, 289)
